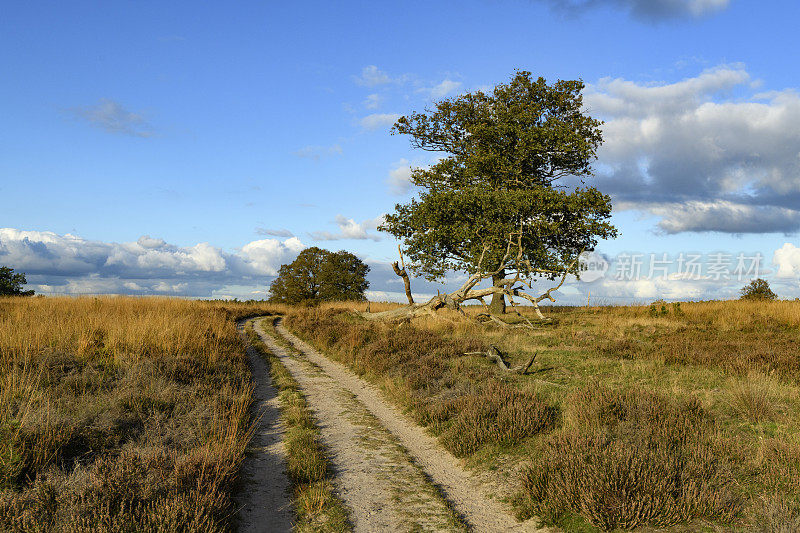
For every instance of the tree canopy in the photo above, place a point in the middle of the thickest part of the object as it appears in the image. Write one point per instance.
(11, 283)
(497, 200)
(320, 275)
(758, 289)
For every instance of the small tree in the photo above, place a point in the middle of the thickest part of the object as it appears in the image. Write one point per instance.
(11, 283)
(320, 275)
(758, 289)
(494, 205)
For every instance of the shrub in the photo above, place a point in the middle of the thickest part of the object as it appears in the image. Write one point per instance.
(470, 407)
(120, 414)
(758, 289)
(630, 458)
(498, 414)
(753, 399)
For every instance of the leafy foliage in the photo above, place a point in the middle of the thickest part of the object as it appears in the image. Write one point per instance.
(11, 283)
(320, 275)
(758, 289)
(506, 151)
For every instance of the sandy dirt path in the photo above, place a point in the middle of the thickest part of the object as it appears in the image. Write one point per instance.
(373, 474)
(263, 499)
(465, 493)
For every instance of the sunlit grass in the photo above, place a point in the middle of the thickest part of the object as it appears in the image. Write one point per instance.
(121, 413)
(738, 361)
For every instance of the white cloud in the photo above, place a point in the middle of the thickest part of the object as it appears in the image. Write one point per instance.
(379, 120)
(350, 229)
(372, 101)
(671, 288)
(267, 255)
(787, 259)
(442, 89)
(372, 76)
(112, 117)
(71, 264)
(699, 158)
(724, 216)
(400, 177)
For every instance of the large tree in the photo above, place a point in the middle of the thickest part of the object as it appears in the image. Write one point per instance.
(11, 283)
(318, 275)
(507, 201)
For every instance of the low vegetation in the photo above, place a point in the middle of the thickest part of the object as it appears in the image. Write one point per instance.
(127, 414)
(468, 406)
(120, 414)
(316, 506)
(669, 415)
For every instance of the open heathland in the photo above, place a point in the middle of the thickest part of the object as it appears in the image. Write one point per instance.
(121, 414)
(684, 416)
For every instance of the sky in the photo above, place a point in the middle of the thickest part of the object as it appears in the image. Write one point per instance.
(190, 149)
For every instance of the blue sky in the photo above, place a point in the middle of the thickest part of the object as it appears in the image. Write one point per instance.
(233, 135)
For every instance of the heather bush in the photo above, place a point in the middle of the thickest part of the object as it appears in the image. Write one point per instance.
(630, 458)
(426, 364)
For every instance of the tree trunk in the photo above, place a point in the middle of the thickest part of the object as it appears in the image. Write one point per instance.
(498, 305)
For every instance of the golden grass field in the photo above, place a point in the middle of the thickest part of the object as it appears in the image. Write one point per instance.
(131, 414)
(120, 414)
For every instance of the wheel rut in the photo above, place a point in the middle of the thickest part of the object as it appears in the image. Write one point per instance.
(374, 475)
(392, 474)
(263, 500)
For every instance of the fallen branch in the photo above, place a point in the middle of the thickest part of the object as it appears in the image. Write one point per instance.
(509, 286)
(495, 355)
(502, 323)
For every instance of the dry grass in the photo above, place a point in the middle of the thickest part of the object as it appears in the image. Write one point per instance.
(735, 362)
(425, 374)
(120, 414)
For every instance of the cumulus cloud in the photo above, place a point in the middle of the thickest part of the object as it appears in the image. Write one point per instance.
(724, 216)
(71, 264)
(350, 229)
(372, 101)
(400, 177)
(372, 76)
(112, 117)
(441, 89)
(699, 158)
(787, 259)
(651, 10)
(318, 152)
(379, 120)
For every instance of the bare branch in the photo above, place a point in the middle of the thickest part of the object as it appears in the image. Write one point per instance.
(403, 274)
